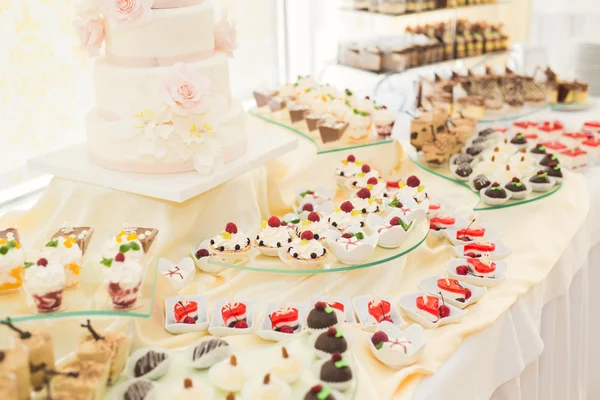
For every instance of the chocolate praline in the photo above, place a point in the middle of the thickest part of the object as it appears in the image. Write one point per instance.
(496, 192)
(321, 317)
(539, 179)
(329, 342)
(315, 391)
(474, 150)
(463, 158)
(517, 186)
(463, 170)
(518, 139)
(554, 171)
(539, 149)
(480, 182)
(549, 159)
(331, 373)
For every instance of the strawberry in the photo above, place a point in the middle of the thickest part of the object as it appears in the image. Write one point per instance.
(120, 257)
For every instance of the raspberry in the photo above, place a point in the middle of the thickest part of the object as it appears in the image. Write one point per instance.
(336, 357)
(316, 389)
(379, 337)
(42, 262)
(553, 165)
(495, 184)
(346, 207)
(308, 207)
(231, 228)
(365, 168)
(515, 180)
(331, 331)
(286, 329)
(351, 158)
(202, 253)
(372, 181)
(383, 107)
(346, 236)
(314, 217)
(274, 222)
(395, 221)
(241, 325)
(413, 181)
(120, 257)
(307, 235)
(367, 98)
(540, 172)
(462, 270)
(320, 305)
(363, 193)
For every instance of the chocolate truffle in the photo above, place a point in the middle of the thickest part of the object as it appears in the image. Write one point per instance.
(463, 158)
(549, 159)
(463, 170)
(319, 392)
(332, 341)
(554, 170)
(519, 139)
(321, 316)
(336, 370)
(540, 177)
(515, 186)
(539, 149)
(480, 182)
(496, 191)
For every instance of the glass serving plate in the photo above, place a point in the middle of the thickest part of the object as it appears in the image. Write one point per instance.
(443, 171)
(509, 114)
(88, 298)
(258, 262)
(282, 119)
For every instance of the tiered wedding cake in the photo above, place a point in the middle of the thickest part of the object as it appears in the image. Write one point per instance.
(163, 100)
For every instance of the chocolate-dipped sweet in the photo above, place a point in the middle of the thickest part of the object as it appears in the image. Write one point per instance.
(319, 392)
(209, 352)
(463, 170)
(519, 139)
(148, 362)
(495, 191)
(474, 150)
(321, 317)
(554, 171)
(463, 159)
(336, 370)
(540, 177)
(515, 186)
(549, 159)
(539, 149)
(138, 390)
(480, 182)
(487, 132)
(332, 341)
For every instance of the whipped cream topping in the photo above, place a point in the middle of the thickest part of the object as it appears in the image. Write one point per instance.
(348, 170)
(344, 220)
(317, 228)
(228, 241)
(128, 274)
(306, 248)
(370, 204)
(48, 279)
(66, 251)
(384, 116)
(12, 259)
(112, 247)
(272, 391)
(376, 190)
(272, 236)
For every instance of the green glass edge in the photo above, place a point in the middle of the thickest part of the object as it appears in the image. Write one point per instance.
(320, 271)
(319, 150)
(96, 313)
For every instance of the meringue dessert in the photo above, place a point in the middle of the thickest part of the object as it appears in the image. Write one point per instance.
(227, 375)
(267, 388)
(307, 249)
(316, 223)
(288, 368)
(193, 391)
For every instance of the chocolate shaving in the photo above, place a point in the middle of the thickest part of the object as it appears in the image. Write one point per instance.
(95, 334)
(267, 379)
(22, 334)
(187, 383)
(284, 353)
(2, 356)
(230, 396)
(233, 361)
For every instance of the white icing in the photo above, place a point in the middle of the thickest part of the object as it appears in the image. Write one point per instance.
(371, 205)
(304, 248)
(271, 236)
(345, 220)
(349, 170)
(40, 280)
(237, 239)
(384, 117)
(272, 391)
(317, 228)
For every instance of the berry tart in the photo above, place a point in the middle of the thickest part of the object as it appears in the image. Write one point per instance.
(285, 320)
(45, 282)
(549, 159)
(12, 261)
(365, 202)
(123, 277)
(554, 171)
(305, 251)
(538, 151)
(336, 372)
(272, 236)
(233, 315)
(317, 224)
(345, 217)
(267, 387)
(541, 182)
(289, 368)
(228, 375)
(353, 246)
(518, 190)
(349, 168)
(519, 141)
(321, 317)
(329, 342)
(291, 222)
(494, 195)
(230, 241)
(392, 230)
(574, 158)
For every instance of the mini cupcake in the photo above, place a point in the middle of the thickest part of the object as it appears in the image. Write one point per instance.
(45, 281)
(384, 120)
(228, 375)
(345, 217)
(349, 168)
(353, 246)
(304, 252)
(272, 237)
(517, 189)
(231, 241)
(519, 141)
(538, 152)
(541, 182)
(494, 195)
(316, 223)
(330, 342)
(288, 368)
(549, 159)
(336, 373)
(321, 317)
(365, 202)
(554, 171)
(480, 182)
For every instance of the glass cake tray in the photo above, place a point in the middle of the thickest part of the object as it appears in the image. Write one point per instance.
(282, 119)
(88, 298)
(258, 262)
(444, 172)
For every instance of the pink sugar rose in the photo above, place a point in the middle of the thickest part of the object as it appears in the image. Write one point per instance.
(225, 36)
(187, 91)
(127, 14)
(89, 27)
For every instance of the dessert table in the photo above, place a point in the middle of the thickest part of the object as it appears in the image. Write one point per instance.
(495, 348)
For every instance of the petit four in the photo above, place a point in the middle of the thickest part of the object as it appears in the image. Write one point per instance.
(305, 251)
(452, 289)
(111, 348)
(353, 246)
(517, 189)
(15, 361)
(321, 317)
(288, 368)
(345, 217)
(555, 172)
(68, 246)
(441, 222)
(208, 351)
(233, 315)
(180, 274)
(228, 375)
(524, 127)
(284, 320)
(365, 202)
(549, 159)
(541, 182)
(331, 131)
(150, 363)
(320, 392)
(230, 241)
(574, 158)
(429, 307)
(41, 350)
(592, 146)
(329, 342)
(186, 312)
(591, 127)
(123, 278)
(85, 378)
(379, 310)
(574, 139)
(272, 236)
(45, 281)
(297, 112)
(350, 167)
(12, 261)
(550, 129)
(481, 182)
(482, 268)
(193, 391)
(139, 389)
(554, 146)
(268, 388)
(277, 103)
(519, 141)
(336, 372)
(494, 194)
(478, 248)
(316, 223)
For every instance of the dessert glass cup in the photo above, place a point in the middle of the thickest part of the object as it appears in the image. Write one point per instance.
(11, 279)
(124, 295)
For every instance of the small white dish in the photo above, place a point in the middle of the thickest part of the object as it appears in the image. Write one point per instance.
(352, 255)
(414, 334)
(408, 303)
(176, 328)
(179, 274)
(499, 275)
(217, 326)
(347, 315)
(389, 238)
(161, 369)
(500, 252)
(265, 330)
(430, 285)
(361, 308)
(441, 233)
(202, 263)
